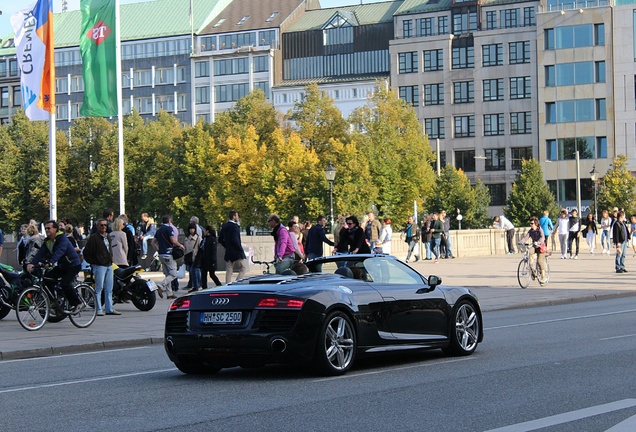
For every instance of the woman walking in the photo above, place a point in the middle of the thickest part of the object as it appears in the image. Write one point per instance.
(590, 232)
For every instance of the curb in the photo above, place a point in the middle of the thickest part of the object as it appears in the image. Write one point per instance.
(74, 349)
(582, 299)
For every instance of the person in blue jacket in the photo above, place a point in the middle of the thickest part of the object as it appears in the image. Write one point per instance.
(60, 253)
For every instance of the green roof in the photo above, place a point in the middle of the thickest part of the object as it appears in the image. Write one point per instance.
(372, 13)
(422, 6)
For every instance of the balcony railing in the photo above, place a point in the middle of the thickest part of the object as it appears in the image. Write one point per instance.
(583, 4)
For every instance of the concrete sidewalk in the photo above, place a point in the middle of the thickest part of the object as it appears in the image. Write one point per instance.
(493, 279)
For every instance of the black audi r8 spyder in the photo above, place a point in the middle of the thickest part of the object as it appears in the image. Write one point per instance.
(345, 307)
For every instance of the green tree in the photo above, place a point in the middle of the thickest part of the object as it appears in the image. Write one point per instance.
(139, 165)
(318, 120)
(390, 136)
(530, 195)
(617, 187)
(452, 191)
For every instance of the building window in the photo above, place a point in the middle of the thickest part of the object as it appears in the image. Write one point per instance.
(492, 55)
(264, 86)
(493, 124)
(599, 34)
(601, 110)
(510, 18)
(3, 68)
(491, 20)
(426, 27)
(529, 16)
(407, 28)
(463, 92)
(463, 57)
(434, 127)
(433, 60)
(237, 40)
(571, 36)
(201, 69)
(566, 148)
(230, 92)
(493, 89)
(519, 52)
(442, 25)
(548, 35)
(142, 78)
(464, 126)
(495, 159)
(202, 95)
(464, 22)
(601, 147)
(434, 94)
(410, 95)
(267, 38)
(520, 123)
(519, 154)
(261, 63)
(577, 110)
(497, 194)
(13, 67)
(408, 62)
(208, 43)
(235, 66)
(17, 96)
(4, 97)
(599, 72)
(520, 88)
(465, 160)
(61, 85)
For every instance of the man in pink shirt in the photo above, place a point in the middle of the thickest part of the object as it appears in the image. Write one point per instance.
(283, 247)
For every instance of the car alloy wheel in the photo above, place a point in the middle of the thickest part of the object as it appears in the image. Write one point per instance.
(465, 332)
(336, 344)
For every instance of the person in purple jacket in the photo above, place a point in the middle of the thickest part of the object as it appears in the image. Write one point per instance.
(284, 246)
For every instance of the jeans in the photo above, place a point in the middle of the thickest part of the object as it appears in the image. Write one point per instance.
(103, 281)
(619, 261)
(169, 268)
(510, 235)
(318, 266)
(605, 239)
(429, 253)
(283, 265)
(435, 242)
(144, 244)
(195, 276)
(449, 251)
(412, 245)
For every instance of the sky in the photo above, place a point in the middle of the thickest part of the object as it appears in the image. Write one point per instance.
(9, 7)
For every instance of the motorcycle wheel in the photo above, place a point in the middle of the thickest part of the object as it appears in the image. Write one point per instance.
(145, 300)
(4, 311)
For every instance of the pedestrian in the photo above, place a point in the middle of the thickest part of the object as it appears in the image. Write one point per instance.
(574, 230)
(59, 252)
(119, 243)
(108, 214)
(208, 257)
(284, 247)
(590, 232)
(546, 225)
(412, 238)
(428, 236)
(192, 244)
(501, 222)
(620, 238)
(98, 253)
(70, 233)
(230, 239)
(164, 241)
(294, 232)
(316, 236)
(352, 239)
(562, 229)
(383, 244)
(129, 232)
(448, 251)
(606, 225)
(33, 243)
(148, 230)
(632, 232)
(437, 228)
(372, 230)
(21, 246)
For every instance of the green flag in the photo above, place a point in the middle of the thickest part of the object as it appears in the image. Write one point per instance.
(99, 60)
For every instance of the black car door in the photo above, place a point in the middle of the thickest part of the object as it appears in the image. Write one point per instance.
(411, 310)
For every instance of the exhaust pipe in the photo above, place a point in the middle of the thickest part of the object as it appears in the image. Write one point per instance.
(170, 345)
(279, 345)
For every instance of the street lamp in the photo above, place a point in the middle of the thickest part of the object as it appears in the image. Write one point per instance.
(594, 177)
(330, 175)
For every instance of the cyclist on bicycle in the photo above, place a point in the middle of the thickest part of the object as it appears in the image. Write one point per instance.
(58, 250)
(538, 239)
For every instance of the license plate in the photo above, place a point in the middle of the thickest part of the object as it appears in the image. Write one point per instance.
(152, 286)
(221, 317)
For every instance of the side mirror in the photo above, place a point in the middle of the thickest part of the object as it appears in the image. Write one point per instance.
(433, 281)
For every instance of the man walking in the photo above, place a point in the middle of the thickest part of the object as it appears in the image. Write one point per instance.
(372, 230)
(230, 239)
(98, 252)
(446, 235)
(500, 222)
(164, 241)
(315, 238)
(620, 238)
(412, 233)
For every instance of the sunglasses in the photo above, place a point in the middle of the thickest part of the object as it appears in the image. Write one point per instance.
(349, 223)
(102, 225)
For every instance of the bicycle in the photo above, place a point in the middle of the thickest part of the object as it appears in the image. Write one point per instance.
(36, 303)
(268, 266)
(525, 274)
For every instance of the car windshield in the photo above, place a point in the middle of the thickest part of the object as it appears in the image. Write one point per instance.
(376, 269)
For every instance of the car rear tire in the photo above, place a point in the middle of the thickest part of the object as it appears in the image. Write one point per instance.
(336, 346)
(465, 330)
(194, 367)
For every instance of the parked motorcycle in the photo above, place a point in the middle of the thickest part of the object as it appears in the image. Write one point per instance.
(128, 285)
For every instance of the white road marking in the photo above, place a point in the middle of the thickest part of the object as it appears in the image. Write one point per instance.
(628, 425)
(355, 375)
(562, 319)
(87, 380)
(570, 417)
(71, 355)
(619, 337)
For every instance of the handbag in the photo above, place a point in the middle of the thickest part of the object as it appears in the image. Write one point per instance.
(543, 248)
(187, 258)
(177, 253)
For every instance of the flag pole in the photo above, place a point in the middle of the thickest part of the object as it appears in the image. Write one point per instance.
(120, 119)
(52, 169)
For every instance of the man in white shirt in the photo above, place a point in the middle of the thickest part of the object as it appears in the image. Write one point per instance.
(501, 222)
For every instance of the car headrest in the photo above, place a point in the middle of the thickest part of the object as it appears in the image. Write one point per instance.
(288, 272)
(344, 271)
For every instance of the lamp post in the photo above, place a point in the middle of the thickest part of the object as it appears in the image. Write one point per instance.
(594, 177)
(330, 175)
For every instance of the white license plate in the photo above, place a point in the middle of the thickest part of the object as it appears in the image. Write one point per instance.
(152, 286)
(221, 317)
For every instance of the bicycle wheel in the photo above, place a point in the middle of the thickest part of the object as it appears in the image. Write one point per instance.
(32, 308)
(523, 273)
(87, 315)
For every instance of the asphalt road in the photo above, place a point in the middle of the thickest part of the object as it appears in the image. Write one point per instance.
(559, 368)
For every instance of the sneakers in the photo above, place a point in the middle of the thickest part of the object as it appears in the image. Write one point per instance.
(436, 261)
(576, 257)
(100, 313)
(144, 256)
(193, 290)
(417, 258)
(114, 312)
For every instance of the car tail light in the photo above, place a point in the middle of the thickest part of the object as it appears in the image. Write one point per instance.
(272, 302)
(180, 303)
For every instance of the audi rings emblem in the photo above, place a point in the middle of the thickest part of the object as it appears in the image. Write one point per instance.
(220, 301)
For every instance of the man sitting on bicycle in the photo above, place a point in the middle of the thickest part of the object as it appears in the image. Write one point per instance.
(58, 250)
(538, 239)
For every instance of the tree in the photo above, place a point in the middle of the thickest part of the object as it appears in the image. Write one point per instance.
(530, 195)
(389, 134)
(318, 120)
(453, 191)
(617, 187)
